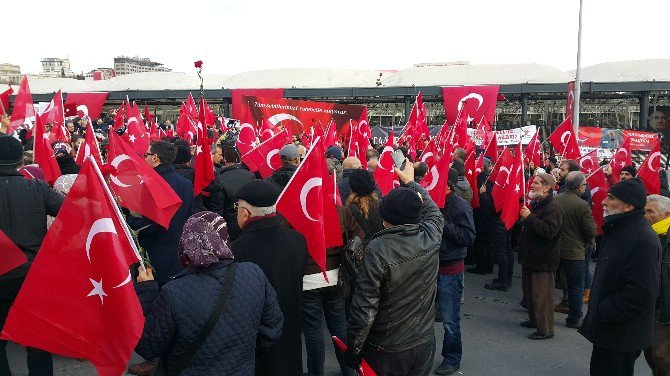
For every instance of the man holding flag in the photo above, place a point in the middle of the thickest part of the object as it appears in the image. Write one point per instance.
(25, 205)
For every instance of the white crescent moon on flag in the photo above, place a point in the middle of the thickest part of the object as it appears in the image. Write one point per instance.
(581, 163)
(387, 149)
(435, 177)
(651, 159)
(426, 155)
(274, 119)
(594, 190)
(242, 127)
(116, 162)
(476, 96)
(125, 282)
(507, 171)
(563, 141)
(100, 226)
(84, 109)
(311, 183)
(268, 158)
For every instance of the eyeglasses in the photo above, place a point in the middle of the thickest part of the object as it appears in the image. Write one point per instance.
(148, 154)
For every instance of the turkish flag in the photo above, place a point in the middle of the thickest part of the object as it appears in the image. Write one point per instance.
(500, 180)
(54, 114)
(621, 159)
(429, 154)
(364, 369)
(515, 190)
(492, 148)
(203, 164)
(239, 105)
(268, 130)
(384, 174)
(4, 100)
(84, 260)
(470, 102)
(471, 174)
(363, 143)
(352, 149)
(564, 140)
(87, 104)
(11, 256)
(191, 107)
(119, 121)
(136, 132)
(533, 150)
(649, 171)
(89, 148)
(23, 108)
(246, 139)
(589, 162)
(153, 133)
(43, 154)
(265, 157)
(435, 181)
(570, 104)
(138, 186)
(303, 201)
(331, 135)
(599, 187)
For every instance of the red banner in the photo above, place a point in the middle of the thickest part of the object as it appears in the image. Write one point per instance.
(239, 107)
(605, 138)
(301, 115)
(640, 140)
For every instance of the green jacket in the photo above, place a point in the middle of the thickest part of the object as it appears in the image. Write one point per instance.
(579, 227)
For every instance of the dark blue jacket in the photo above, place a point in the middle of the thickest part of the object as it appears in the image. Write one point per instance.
(175, 314)
(459, 230)
(343, 185)
(159, 243)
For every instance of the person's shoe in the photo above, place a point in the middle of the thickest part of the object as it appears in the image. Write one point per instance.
(576, 325)
(142, 369)
(587, 295)
(562, 307)
(446, 369)
(528, 324)
(476, 270)
(540, 336)
(523, 303)
(495, 285)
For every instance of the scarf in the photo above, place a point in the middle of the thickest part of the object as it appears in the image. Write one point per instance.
(661, 227)
(204, 241)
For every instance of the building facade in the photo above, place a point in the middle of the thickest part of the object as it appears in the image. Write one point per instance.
(56, 67)
(10, 74)
(129, 65)
(100, 74)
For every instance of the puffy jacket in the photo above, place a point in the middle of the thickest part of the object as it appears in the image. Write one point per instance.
(233, 178)
(343, 185)
(393, 306)
(282, 175)
(459, 230)
(24, 206)
(579, 227)
(175, 314)
(625, 285)
(540, 233)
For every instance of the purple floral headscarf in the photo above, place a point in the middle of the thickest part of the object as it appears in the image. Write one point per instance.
(204, 241)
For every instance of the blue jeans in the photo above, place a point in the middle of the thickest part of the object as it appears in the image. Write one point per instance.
(587, 271)
(574, 274)
(449, 293)
(317, 304)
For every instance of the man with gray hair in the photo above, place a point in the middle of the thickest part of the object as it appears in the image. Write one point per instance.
(281, 253)
(290, 159)
(579, 229)
(657, 212)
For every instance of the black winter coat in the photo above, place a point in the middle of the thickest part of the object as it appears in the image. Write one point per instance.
(459, 230)
(282, 255)
(625, 286)
(159, 243)
(175, 314)
(282, 175)
(24, 206)
(540, 235)
(343, 185)
(233, 178)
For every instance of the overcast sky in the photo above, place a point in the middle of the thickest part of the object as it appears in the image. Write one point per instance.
(232, 36)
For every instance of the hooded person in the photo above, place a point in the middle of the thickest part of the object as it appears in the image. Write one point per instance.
(176, 313)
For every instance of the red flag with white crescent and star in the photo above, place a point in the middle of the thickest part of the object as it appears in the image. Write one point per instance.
(597, 181)
(136, 132)
(492, 148)
(533, 150)
(90, 147)
(435, 181)
(649, 171)
(384, 174)
(429, 154)
(54, 113)
(470, 102)
(515, 190)
(564, 140)
(202, 164)
(500, 176)
(102, 320)
(621, 159)
(246, 139)
(43, 154)
(589, 163)
(23, 108)
(302, 203)
(265, 157)
(570, 104)
(138, 186)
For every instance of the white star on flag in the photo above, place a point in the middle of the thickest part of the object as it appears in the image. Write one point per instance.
(517, 188)
(132, 138)
(198, 150)
(97, 290)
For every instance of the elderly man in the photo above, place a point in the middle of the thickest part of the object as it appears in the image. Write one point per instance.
(290, 159)
(579, 230)
(392, 315)
(348, 165)
(282, 255)
(620, 318)
(657, 212)
(539, 255)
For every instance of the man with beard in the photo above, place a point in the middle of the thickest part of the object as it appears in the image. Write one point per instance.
(620, 318)
(539, 255)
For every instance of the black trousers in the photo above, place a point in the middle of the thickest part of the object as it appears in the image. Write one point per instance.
(417, 361)
(612, 363)
(500, 244)
(39, 362)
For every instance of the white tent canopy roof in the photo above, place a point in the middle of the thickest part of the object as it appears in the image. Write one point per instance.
(627, 71)
(304, 78)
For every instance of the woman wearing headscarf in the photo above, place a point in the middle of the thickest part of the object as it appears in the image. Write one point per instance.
(364, 203)
(176, 313)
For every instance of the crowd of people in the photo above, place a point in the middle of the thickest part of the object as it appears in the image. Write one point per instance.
(402, 263)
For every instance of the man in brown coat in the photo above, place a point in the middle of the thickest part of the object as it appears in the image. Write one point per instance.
(579, 229)
(539, 255)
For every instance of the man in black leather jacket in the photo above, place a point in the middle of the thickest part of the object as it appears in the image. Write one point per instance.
(392, 312)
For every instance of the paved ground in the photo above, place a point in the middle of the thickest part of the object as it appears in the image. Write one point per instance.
(493, 342)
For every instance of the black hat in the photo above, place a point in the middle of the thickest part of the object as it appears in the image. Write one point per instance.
(453, 178)
(630, 191)
(11, 151)
(630, 169)
(259, 193)
(335, 152)
(401, 206)
(183, 153)
(361, 182)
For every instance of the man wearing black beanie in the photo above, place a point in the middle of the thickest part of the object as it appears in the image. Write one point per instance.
(392, 315)
(620, 318)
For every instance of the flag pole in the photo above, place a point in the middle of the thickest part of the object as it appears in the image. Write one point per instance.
(578, 81)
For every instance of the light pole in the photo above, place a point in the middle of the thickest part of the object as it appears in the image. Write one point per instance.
(578, 82)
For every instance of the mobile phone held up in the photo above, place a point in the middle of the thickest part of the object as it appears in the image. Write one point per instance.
(399, 159)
